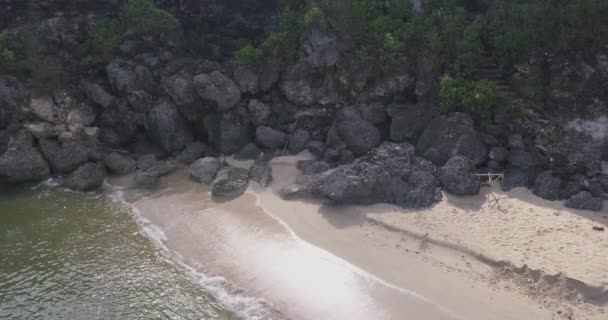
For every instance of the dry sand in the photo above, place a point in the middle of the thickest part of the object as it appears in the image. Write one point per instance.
(461, 259)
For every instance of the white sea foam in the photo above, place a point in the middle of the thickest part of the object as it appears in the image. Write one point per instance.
(230, 296)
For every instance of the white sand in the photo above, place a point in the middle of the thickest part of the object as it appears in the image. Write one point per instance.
(379, 262)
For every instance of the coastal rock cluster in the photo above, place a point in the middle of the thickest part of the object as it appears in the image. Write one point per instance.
(377, 138)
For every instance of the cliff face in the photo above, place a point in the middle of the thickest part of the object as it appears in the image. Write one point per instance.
(180, 95)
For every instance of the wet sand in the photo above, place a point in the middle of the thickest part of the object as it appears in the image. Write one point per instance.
(311, 261)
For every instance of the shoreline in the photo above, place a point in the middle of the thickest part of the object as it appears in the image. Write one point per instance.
(448, 283)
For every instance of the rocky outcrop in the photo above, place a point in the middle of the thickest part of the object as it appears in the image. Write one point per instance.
(270, 138)
(149, 177)
(87, 177)
(584, 201)
(65, 157)
(451, 135)
(22, 162)
(13, 96)
(249, 152)
(119, 164)
(126, 77)
(218, 90)
(193, 151)
(261, 171)
(548, 186)
(230, 182)
(457, 177)
(388, 174)
(205, 170)
(166, 127)
(228, 132)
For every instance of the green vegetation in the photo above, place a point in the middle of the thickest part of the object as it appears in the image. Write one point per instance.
(473, 97)
(104, 38)
(248, 55)
(138, 15)
(143, 16)
(7, 52)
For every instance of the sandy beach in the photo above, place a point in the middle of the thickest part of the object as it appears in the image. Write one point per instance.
(465, 258)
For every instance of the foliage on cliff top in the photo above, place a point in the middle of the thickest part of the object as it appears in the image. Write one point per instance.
(473, 97)
(7, 53)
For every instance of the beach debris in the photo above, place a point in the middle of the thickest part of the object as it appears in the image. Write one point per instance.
(596, 228)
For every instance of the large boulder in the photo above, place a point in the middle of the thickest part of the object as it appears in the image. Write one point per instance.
(228, 132)
(247, 79)
(81, 116)
(249, 152)
(585, 201)
(260, 112)
(517, 177)
(180, 87)
(388, 88)
(270, 138)
(88, 177)
(96, 93)
(230, 182)
(298, 141)
(149, 177)
(13, 96)
(119, 164)
(193, 151)
(409, 121)
(21, 162)
(451, 135)
(457, 177)
(67, 156)
(118, 123)
(359, 135)
(126, 77)
(217, 89)
(166, 127)
(306, 85)
(261, 171)
(43, 108)
(205, 170)
(387, 174)
(548, 186)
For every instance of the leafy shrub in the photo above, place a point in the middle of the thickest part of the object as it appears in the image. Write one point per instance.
(7, 53)
(104, 38)
(144, 16)
(315, 16)
(249, 55)
(474, 97)
(391, 54)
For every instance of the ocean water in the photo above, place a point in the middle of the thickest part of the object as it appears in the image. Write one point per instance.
(66, 255)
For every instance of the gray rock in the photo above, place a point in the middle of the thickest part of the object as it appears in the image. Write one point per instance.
(205, 170)
(519, 158)
(87, 177)
(146, 161)
(516, 142)
(298, 141)
(259, 112)
(96, 93)
(311, 167)
(358, 134)
(82, 115)
(230, 182)
(331, 156)
(547, 186)
(373, 112)
(149, 177)
(247, 79)
(516, 177)
(574, 185)
(409, 121)
(66, 157)
(181, 88)
(346, 157)
(44, 130)
(261, 171)
(457, 177)
(451, 135)
(126, 76)
(392, 86)
(193, 151)
(43, 108)
(217, 89)
(228, 132)
(249, 152)
(21, 162)
(118, 122)
(13, 97)
(166, 127)
(585, 201)
(301, 85)
(141, 101)
(317, 148)
(270, 138)
(119, 164)
(498, 154)
(387, 174)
